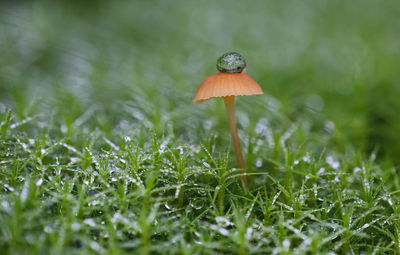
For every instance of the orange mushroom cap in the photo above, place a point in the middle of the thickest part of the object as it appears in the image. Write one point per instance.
(226, 84)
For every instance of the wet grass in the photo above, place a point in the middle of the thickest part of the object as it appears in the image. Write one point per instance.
(102, 151)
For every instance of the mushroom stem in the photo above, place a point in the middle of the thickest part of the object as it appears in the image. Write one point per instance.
(230, 110)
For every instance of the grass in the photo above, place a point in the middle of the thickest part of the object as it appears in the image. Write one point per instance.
(102, 151)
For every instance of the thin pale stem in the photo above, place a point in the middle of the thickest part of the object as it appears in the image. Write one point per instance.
(230, 110)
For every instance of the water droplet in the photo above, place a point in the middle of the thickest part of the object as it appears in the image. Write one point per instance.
(197, 204)
(94, 203)
(231, 62)
(223, 221)
(48, 229)
(8, 187)
(333, 163)
(95, 246)
(24, 192)
(6, 206)
(222, 231)
(286, 244)
(307, 158)
(90, 222)
(249, 231)
(75, 226)
(39, 182)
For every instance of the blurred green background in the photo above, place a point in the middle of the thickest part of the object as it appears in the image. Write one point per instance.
(123, 66)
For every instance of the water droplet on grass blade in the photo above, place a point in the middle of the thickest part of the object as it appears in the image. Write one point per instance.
(24, 193)
(48, 229)
(8, 187)
(321, 171)
(286, 244)
(75, 226)
(357, 170)
(94, 203)
(223, 221)
(333, 163)
(39, 182)
(89, 222)
(249, 231)
(197, 204)
(95, 246)
(6, 206)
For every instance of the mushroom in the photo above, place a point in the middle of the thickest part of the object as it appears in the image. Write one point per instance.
(231, 81)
